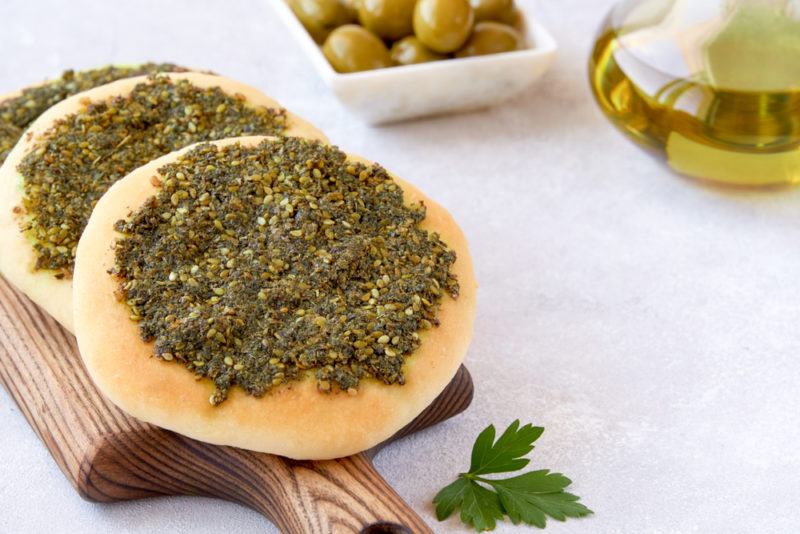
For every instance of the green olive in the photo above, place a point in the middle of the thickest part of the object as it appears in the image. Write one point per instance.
(317, 33)
(490, 38)
(389, 19)
(350, 13)
(321, 16)
(410, 50)
(513, 17)
(490, 9)
(443, 25)
(351, 48)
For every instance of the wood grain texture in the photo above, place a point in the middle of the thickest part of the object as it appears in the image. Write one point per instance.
(109, 456)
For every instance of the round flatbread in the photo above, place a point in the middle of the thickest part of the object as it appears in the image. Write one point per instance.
(16, 113)
(18, 259)
(293, 419)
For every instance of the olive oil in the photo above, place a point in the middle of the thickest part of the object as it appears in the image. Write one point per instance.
(713, 85)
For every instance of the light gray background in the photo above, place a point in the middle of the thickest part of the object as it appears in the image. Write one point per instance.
(649, 323)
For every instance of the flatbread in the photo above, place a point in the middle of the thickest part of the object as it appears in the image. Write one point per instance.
(293, 419)
(11, 132)
(18, 256)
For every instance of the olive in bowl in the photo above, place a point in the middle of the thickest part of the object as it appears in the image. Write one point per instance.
(358, 35)
(388, 19)
(410, 50)
(443, 25)
(352, 48)
(320, 17)
(491, 9)
(490, 38)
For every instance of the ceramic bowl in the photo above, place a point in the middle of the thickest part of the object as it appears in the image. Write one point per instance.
(439, 87)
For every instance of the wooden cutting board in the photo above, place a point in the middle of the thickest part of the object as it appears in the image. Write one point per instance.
(109, 456)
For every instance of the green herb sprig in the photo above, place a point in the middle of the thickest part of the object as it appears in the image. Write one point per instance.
(529, 498)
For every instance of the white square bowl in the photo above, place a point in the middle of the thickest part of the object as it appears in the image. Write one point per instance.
(448, 86)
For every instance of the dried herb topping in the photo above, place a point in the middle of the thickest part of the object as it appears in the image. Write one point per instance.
(17, 113)
(85, 153)
(255, 266)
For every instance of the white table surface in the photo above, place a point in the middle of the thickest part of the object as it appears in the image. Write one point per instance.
(649, 323)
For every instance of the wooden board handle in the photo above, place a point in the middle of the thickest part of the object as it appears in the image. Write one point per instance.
(343, 495)
(109, 456)
(348, 495)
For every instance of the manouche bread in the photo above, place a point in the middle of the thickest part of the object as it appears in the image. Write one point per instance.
(52, 289)
(133, 352)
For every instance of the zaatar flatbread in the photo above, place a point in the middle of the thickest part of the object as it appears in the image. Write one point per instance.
(28, 256)
(308, 415)
(19, 109)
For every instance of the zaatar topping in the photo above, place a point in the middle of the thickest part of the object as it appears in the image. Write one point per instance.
(257, 266)
(85, 153)
(17, 113)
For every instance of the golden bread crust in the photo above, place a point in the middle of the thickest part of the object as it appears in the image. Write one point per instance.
(294, 419)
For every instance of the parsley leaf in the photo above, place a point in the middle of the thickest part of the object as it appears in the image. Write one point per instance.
(505, 455)
(450, 498)
(481, 507)
(529, 498)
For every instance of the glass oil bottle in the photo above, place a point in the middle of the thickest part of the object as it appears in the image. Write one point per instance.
(714, 85)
